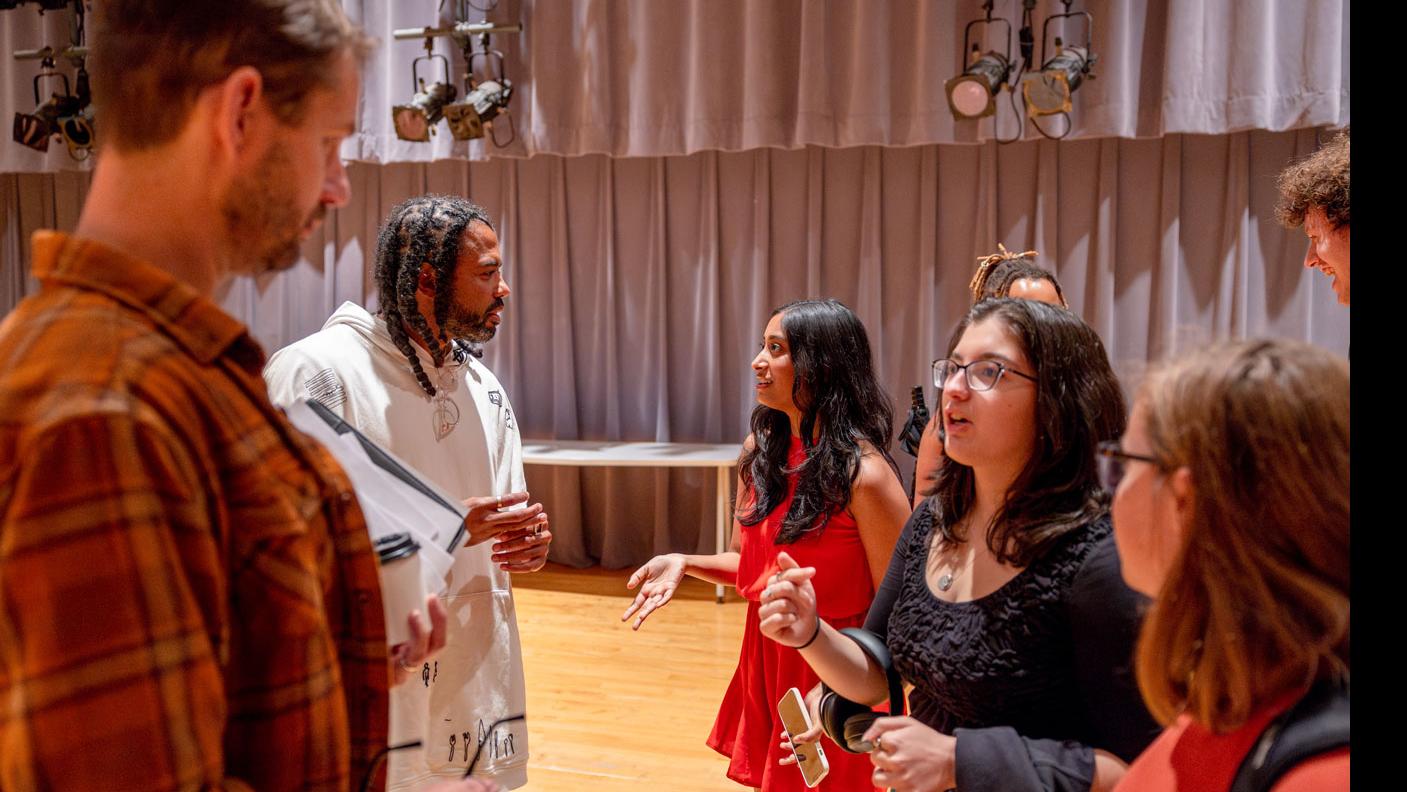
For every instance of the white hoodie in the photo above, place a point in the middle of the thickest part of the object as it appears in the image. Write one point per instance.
(353, 367)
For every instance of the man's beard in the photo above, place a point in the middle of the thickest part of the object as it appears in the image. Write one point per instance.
(469, 325)
(264, 226)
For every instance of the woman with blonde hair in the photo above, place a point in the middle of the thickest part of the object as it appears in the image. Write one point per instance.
(1231, 509)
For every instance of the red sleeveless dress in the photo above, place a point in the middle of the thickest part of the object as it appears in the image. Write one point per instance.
(748, 726)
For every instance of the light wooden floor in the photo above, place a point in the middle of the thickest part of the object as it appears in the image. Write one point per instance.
(612, 709)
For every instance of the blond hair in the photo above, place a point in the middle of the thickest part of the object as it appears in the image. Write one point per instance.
(1256, 603)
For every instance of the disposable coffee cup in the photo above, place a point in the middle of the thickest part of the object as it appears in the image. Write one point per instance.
(402, 584)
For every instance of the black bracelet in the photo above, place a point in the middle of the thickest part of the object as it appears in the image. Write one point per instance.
(812, 639)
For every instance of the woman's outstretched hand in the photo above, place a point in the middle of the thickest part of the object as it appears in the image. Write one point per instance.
(658, 579)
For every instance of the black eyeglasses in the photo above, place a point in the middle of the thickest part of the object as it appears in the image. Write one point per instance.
(981, 375)
(1111, 464)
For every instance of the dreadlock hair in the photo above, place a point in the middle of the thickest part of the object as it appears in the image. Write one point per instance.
(996, 274)
(837, 393)
(426, 229)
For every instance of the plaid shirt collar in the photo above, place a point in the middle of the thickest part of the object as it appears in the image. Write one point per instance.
(194, 321)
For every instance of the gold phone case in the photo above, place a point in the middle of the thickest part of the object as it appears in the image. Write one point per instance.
(809, 757)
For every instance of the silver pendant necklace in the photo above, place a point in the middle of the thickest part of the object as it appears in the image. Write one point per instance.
(446, 412)
(945, 580)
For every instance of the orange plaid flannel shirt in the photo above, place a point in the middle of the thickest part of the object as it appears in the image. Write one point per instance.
(188, 595)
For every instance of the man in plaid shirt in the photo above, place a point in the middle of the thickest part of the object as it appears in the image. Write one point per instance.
(188, 595)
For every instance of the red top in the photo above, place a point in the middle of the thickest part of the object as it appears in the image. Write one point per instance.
(1187, 757)
(842, 581)
(748, 725)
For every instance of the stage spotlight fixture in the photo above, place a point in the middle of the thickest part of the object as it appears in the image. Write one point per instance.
(77, 131)
(77, 128)
(1048, 91)
(484, 99)
(35, 129)
(415, 120)
(65, 114)
(466, 119)
(973, 94)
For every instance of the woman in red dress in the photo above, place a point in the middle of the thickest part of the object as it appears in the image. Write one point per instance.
(1231, 509)
(816, 480)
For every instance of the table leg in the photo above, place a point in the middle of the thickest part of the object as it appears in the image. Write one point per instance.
(720, 538)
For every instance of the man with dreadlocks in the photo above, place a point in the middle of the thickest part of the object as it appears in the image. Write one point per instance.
(409, 378)
(1007, 274)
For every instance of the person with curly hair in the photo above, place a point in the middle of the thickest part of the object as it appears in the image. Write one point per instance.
(1314, 194)
(409, 379)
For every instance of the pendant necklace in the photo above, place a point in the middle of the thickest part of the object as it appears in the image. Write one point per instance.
(945, 580)
(446, 413)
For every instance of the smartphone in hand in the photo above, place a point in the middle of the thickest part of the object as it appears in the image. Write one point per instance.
(809, 756)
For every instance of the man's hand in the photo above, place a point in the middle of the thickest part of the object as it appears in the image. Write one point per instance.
(491, 515)
(523, 549)
(423, 644)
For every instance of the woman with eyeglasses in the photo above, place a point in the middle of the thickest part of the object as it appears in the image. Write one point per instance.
(1003, 605)
(815, 479)
(1002, 274)
(1231, 510)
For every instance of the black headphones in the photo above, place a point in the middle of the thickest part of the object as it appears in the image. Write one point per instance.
(846, 721)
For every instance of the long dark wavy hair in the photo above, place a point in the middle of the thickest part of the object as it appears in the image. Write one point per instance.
(837, 393)
(1078, 406)
(425, 229)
